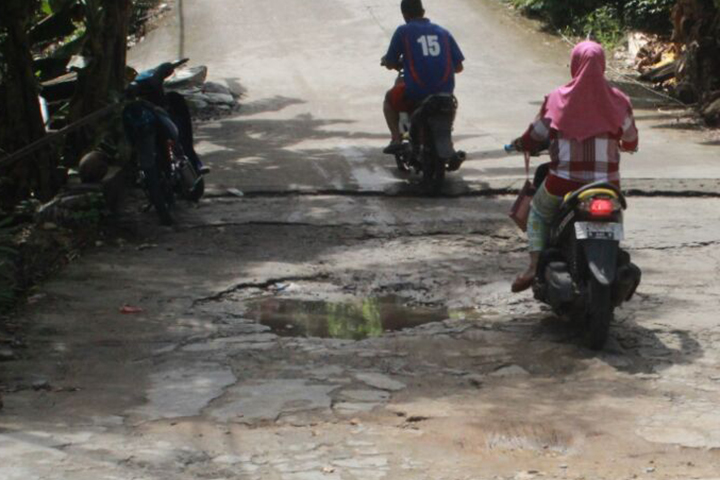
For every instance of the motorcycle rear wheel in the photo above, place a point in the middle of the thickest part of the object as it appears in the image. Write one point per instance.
(598, 315)
(199, 190)
(192, 185)
(400, 162)
(160, 195)
(433, 175)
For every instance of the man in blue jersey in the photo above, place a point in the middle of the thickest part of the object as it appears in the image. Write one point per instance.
(430, 58)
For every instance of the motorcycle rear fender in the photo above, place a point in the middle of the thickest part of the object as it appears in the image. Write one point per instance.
(602, 257)
(440, 128)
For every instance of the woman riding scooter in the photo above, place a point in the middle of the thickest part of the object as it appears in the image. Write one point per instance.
(587, 123)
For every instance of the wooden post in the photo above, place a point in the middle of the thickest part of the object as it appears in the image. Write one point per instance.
(20, 115)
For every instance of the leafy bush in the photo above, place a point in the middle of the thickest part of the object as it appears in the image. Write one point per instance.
(605, 19)
(604, 25)
(559, 14)
(653, 15)
(140, 11)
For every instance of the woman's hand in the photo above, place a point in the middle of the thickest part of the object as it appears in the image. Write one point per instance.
(518, 144)
(629, 147)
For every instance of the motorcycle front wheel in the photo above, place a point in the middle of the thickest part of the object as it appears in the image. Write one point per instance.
(598, 314)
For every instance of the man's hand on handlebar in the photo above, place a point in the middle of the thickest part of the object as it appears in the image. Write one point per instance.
(390, 66)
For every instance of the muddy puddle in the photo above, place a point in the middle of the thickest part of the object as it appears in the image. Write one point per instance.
(353, 320)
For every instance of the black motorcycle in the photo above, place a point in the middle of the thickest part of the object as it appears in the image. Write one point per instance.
(427, 145)
(583, 273)
(158, 127)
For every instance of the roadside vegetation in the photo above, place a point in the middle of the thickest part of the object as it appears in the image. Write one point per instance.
(72, 53)
(606, 20)
(688, 60)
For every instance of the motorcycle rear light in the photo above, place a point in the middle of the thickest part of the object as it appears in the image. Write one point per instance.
(602, 207)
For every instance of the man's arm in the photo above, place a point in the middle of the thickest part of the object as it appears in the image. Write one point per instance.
(389, 65)
(391, 60)
(457, 56)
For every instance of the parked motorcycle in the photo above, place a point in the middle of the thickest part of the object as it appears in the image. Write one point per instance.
(158, 126)
(583, 273)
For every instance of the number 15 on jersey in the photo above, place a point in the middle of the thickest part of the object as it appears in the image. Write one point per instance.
(430, 45)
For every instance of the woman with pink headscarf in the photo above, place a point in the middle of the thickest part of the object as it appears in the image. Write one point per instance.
(587, 123)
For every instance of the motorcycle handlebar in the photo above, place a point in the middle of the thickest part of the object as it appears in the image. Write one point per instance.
(512, 148)
(180, 62)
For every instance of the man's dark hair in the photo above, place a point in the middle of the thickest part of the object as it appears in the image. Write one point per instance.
(412, 8)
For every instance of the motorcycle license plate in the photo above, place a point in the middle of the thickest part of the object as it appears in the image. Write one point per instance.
(599, 231)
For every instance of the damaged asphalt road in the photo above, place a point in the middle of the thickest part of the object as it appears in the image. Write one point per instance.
(332, 324)
(360, 338)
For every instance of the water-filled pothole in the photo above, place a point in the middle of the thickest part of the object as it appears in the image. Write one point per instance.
(355, 320)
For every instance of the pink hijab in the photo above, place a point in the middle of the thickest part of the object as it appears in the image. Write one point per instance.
(588, 105)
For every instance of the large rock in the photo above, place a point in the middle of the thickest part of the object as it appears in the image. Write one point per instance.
(93, 167)
(212, 87)
(711, 113)
(220, 98)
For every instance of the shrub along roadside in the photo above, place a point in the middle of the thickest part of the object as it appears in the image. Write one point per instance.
(606, 20)
(695, 39)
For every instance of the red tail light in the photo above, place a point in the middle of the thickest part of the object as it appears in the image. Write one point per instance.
(601, 207)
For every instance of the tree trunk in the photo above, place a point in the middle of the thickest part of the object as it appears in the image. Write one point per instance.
(20, 115)
(104, 77)
(697, 28)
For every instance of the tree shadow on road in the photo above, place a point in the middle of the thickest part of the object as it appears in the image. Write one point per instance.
(257, 153)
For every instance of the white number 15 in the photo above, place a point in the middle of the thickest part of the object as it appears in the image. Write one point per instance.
(430, 45)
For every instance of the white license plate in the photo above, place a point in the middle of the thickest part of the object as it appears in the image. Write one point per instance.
(599, 231)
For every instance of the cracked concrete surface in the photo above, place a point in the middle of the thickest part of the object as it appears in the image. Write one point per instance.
(495, 388)
(194, 388)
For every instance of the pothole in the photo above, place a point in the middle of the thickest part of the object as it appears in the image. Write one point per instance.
(349, 320)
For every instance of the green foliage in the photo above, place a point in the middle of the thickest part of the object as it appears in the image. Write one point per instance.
(559, 13)
(140, 11)
(606, 20)
(653, 15)
(92, 214)
(604, 25)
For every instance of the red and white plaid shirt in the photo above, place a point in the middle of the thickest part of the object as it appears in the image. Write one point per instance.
(575, 163)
